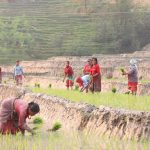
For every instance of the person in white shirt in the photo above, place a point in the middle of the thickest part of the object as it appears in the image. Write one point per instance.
(84, 82)
(18, 73)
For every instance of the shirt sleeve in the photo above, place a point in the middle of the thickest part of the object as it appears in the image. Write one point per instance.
(22, 119)
(97, 69)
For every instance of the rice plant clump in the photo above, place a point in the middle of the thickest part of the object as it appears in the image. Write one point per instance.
(56, 126)
(114, 90)
(37, 120)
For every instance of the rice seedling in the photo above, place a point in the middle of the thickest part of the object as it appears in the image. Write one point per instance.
(37, 120)
(50, 85)
(56, 126)
(114, 90)
(116, 100)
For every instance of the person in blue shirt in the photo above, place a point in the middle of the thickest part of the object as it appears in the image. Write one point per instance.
(18, 73)
(84, 82)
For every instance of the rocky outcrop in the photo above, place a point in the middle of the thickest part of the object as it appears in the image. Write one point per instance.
(85, 117)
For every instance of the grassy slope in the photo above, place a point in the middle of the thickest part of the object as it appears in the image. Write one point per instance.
(56, 27)
(107, 99)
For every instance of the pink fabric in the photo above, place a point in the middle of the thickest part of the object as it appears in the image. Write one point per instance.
(6, 121)
(18, 79)
(21, 109)
(6, 110)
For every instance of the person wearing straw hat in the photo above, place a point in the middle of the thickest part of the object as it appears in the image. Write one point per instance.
(132, 74)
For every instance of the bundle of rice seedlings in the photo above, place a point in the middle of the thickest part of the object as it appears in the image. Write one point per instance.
(37, 120)
(55, 127)
(114, 90)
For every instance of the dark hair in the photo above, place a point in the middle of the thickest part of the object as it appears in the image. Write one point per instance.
(94, 58)
(34, 107)
(68, 62)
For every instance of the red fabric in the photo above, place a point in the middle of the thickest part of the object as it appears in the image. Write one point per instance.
(20, 108)
(68, 71)
(18, 79)
(132, 86)
(79, 81)
(87, 69)
(8, 127)
(94, 70)
(69, 83)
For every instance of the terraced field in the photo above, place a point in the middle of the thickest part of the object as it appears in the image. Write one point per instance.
(61, 27)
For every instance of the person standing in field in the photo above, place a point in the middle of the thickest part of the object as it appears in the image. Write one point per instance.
(68, 72)
(18, 73)
(13, 115)
(132, 74)
(96, 76)
(87, 67)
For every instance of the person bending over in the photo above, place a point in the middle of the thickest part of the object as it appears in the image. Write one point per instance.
(13, 115)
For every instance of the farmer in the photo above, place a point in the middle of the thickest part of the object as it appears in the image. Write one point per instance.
(84, 82)
(87, 67)
(132, 74)
(13, 115)
(96, 76)
(18, 73)
(68, 72)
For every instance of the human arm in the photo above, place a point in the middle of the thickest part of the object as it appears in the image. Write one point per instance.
(22, 123)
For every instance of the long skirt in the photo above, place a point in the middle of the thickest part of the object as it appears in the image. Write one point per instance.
(7, 124)
(96, 84)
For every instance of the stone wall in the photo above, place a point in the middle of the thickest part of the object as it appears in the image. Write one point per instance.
(85, 117)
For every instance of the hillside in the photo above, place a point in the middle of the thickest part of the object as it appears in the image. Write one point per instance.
(69, 27)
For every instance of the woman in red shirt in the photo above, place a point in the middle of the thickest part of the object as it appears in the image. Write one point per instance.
(96, 74)
(87, 67)
(13, 115)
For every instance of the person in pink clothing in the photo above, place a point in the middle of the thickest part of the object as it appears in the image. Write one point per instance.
(13, 115)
